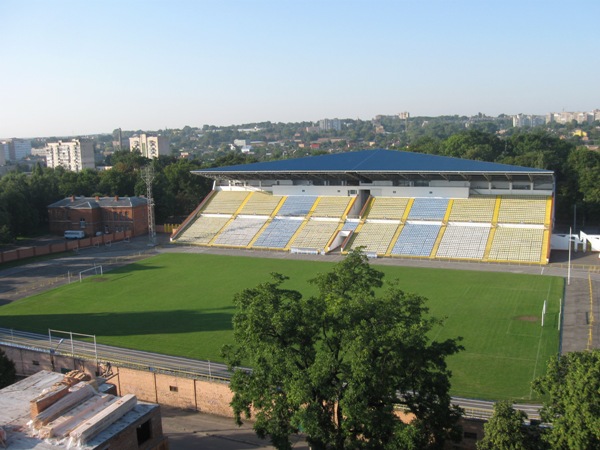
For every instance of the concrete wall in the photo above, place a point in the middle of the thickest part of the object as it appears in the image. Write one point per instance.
(186, 393)
(30, 252)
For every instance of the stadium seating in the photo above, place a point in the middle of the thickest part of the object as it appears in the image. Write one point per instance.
(316, 234)
(517, 244)
(522, 209)
(240, 232)
(331, 206)
(474, 209)
(375, 237)
(416, 239)
(203, 230)
(507, 228)
(388, 208)
(428, 209)
(461, 241)
(297, 205)
(260, 204)
(225, 202)
(278, 233)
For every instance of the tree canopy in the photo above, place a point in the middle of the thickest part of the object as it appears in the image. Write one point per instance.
(506, 430)
(570, 411)
(572, 387)
(336, 364)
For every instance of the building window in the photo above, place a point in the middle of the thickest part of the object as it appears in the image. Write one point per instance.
(82, 223)
(144, 432)
(173, 388)
(35, 362)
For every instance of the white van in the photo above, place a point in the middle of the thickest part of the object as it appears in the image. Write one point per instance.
(74, 234)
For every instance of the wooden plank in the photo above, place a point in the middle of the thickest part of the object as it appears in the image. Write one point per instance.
(43, 401)
(76, 395)
(103, 419)
(68, 422)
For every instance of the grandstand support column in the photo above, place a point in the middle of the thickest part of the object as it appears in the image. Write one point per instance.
(148, 177)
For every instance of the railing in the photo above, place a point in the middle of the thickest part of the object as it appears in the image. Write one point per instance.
(120, 357)
(182, 367)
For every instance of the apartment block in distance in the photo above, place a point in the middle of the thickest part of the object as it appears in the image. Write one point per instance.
(16, 149)
(74, 155)
(150, 147)
(330, 124)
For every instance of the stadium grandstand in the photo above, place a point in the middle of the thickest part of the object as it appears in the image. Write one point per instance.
(392, 203)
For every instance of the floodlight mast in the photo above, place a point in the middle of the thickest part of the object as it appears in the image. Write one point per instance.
(148, 177)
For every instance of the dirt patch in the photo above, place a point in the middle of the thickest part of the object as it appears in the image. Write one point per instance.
(527, 318)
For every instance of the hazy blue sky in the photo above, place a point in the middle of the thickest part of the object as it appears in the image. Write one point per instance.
(78, 67)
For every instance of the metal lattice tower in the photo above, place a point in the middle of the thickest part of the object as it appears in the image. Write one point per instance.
(148, 177)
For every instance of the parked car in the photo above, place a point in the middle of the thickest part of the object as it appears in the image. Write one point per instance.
(74, 234)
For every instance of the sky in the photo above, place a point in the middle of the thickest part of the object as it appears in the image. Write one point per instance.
(90, 66)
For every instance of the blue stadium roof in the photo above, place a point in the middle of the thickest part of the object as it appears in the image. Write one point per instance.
(369, 162)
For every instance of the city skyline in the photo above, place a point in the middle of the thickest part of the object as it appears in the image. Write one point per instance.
(76, 68)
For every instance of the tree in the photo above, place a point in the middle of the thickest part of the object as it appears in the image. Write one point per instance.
(8, 374)
(506, 430)
(572, 386)
(335, 364)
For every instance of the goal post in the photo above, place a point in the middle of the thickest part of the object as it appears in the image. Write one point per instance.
(544, 311)
(60, 336)
(96, 269)
(559, 312)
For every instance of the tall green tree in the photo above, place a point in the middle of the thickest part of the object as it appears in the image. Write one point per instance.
(506, 430)
(336, 364)
(572, 388)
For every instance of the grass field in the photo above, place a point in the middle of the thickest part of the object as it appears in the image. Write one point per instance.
(181, 304)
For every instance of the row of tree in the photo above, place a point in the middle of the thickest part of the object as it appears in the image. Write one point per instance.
(24, 197)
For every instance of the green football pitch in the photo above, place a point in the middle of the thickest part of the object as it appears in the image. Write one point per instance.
(182, 304)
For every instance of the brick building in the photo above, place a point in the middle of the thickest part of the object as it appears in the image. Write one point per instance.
(99, 215)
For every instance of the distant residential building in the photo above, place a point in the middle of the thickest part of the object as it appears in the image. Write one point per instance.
(578, 116)
(528, 120)
(330, 124)
(2, 156)
(150, 147)
(74, 155)
(16, 149)
(241, 142)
